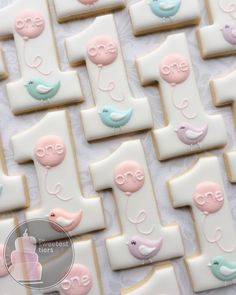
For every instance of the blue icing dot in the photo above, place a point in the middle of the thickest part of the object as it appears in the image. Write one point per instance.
(165, 8)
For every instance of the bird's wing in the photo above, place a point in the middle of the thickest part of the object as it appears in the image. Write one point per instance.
(166, 6)
(190, 134)
(145, 251)
(63, 221)
(117, 116)
(43, 89)
(227, 271)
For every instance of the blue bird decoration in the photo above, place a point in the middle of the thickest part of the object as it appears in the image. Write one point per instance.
(42, 90)
(165, 8)
(114, 118)
(223, 269)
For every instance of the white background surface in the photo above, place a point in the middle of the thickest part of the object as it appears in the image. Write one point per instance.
(160, 172)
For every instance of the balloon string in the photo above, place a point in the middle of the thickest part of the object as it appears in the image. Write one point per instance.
(141, 217)
(183, 106)
(110, 86)
(231, 8)
(38, 61)
(218, 237)
(57, 189)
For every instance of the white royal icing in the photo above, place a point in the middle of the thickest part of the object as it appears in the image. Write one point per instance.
(13, 189)
(7, 284)
(84, 254)
(211, 37)
(215, 230)
(181, 101)
(160, 281)
(104, 77)
(137, 208)
(75, 9)
(37, 55)
(145, 21)
(59, 185)
(230, 158)
(223, 91)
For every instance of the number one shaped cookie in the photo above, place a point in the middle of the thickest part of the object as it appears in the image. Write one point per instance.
(83, 278)
(143, 239)
(161, 280)
(201, 188)
(75, 9)
(7, 284)
(3, 68)
(13, 189)
(51, 147)
(116, 111)
(223, 91)
(149, 16)
(189, 129)
(42, 83)
(219, 37)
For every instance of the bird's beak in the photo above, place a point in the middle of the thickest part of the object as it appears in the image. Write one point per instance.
(176, 130)
(209, 264)
(47, 216)
(127, 244)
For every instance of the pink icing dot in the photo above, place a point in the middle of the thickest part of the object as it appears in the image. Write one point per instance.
(102, 50)
(3, 269)
(29, 24)
(174, 69)
(129, 176)
(88, 1)
(208, 197)
(78, 281)
(50, 151)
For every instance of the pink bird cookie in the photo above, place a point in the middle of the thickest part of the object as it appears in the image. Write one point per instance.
(190, 135)
(66, 220)
(144, 249)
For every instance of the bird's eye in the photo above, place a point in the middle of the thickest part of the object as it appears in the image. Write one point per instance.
(52, 215)
(227, 26)
(105, 111)
(31, 82)
(133, 243)
(182, 128)
(216, 263)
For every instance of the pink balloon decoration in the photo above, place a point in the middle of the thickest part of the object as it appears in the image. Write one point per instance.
(208, 197)
(29, 24)
(102, 50)
(174, 69)
(50, 151)
(129, 177)
(87, 2)
(78, 281)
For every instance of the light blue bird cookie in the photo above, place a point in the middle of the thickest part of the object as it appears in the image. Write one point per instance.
(42, 90)
(223, 269)
(165, 8)
(114, 118)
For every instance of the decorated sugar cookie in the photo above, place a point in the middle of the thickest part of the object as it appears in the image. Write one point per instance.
(83, 277)
(75, 9)
(149, 16)
(188, 127)
(13, 189)
(219, 37)
(3, 68)
(116, 111)
(42, 83)
(160, 281)
(212, 266)
(223, 91)
(51, 147)
(7, 284)
(143, 238)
